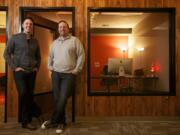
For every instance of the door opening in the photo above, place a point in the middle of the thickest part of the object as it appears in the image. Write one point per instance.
(3, 70)
(45, 30)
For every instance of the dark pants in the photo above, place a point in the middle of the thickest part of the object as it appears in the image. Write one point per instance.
(63, 86)
(25, 82)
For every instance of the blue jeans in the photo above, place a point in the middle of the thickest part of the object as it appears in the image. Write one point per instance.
(63, 86)
(25, 82)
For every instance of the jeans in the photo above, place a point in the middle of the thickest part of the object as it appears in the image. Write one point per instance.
(63, 86)
(25, 82)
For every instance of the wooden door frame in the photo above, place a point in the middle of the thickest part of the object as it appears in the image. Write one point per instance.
(23, 12)
(5, 8)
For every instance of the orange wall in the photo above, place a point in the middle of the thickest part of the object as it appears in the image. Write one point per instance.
(103, 47)
(2, 38)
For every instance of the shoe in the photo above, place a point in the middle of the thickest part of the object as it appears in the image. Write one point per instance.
(29, 126)
(48, 124)
(60, 129)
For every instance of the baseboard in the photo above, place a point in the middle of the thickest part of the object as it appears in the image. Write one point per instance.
(130, 118)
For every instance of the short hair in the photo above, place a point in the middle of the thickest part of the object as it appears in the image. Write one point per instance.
(64, 22)
(28, 18)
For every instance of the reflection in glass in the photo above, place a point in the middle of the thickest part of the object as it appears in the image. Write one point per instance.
(126, 52)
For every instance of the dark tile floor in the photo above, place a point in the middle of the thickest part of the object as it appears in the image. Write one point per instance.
(102, 127)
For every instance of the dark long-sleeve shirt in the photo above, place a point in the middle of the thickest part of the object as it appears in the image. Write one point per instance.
(23, 53)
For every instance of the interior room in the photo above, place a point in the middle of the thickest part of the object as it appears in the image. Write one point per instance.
(125, 64)
(2, 65)
(46, 23)
(130, 82)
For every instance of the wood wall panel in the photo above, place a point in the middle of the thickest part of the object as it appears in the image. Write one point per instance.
(170, 3)
(2, 2)
(101, 105)
(154, 3)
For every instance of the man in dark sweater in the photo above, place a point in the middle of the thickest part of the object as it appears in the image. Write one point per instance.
(22, 54)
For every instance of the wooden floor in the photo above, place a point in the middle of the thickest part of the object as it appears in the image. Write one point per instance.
(107, 126)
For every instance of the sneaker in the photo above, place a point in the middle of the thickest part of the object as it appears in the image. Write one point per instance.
(60, 128)
(43, 125)
(48, 124)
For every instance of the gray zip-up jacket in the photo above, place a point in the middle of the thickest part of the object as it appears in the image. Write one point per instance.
(23, 53)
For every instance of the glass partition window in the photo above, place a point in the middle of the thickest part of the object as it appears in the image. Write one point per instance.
(131, 51)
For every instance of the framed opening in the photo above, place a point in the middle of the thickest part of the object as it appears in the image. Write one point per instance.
(131, 51)
(45, 30)
(3, 66)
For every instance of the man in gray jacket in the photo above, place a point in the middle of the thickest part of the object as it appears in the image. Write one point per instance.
(66, 59)
(22, 54)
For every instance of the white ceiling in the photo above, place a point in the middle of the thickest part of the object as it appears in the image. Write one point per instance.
(116, 20)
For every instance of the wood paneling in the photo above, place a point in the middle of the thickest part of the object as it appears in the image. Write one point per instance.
(2, 2)
(101, 105)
